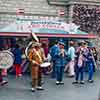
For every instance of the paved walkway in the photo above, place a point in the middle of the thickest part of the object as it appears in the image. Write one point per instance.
(19, 89)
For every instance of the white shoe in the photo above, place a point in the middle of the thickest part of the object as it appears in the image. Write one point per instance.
(62, 82)
(82, 82)
(20, 75)
(33, 89)
(57, 82)
(3, 82)
(39, 88)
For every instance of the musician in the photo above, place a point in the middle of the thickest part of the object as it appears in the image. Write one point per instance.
(60, 62)
(79, 64)
(2, 82)
(53, 50)
(88, 59)
(18, 60)
(36, 57)
(95, 54)
(71, 63)
(90, 63)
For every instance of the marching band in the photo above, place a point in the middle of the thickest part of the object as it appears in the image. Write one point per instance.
(79, 58)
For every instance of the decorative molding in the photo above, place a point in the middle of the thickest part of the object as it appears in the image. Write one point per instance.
(70, 2)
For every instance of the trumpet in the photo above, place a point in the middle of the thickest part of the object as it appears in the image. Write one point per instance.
(62, 52)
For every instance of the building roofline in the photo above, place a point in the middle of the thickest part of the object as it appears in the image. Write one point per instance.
(27, 34)
(65, 3)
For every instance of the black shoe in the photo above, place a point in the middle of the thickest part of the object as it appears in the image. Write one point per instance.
(82, 82)
(57, 83)
(90, 81)
(70, 76)
(3, 83)
(76, 82)
(61, 83)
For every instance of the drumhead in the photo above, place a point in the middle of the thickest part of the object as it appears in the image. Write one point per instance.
(45, 64)
(6, 59)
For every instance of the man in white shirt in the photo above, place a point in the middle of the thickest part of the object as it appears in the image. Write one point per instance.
(70, 65)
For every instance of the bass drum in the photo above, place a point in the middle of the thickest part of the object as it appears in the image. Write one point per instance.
(6, 59)
(45, 64)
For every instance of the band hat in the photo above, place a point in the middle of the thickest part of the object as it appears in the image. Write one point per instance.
(36, 44)
(61, 43)
(82, 41)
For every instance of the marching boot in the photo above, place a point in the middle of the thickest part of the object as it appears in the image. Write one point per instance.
(39, 87)
(34, 83)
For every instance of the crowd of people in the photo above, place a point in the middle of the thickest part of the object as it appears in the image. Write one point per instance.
(72, 62)
(87, 17)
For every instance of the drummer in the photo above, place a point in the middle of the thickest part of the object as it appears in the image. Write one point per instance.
(36, 57)
(2, 82)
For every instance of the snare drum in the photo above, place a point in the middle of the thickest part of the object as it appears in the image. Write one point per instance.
(45, 64)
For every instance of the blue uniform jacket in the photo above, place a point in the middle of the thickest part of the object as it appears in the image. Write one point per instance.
(59, 60)
(17, 55)
(52, 51)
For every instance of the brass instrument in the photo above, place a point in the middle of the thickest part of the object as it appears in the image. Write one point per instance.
(62, 52)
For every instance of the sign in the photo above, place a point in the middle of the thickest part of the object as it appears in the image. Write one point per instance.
(46, 26)
(42, 26)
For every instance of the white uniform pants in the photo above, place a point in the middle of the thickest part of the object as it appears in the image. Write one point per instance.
(70, 67)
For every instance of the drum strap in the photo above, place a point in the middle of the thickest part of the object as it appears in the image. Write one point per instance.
(37, 53)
